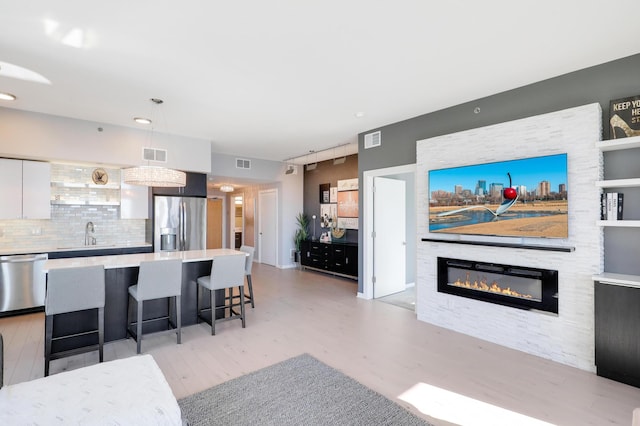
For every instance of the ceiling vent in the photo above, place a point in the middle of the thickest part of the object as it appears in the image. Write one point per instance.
(291, 170)
(151, 154)
(371, 140)
(241, 163)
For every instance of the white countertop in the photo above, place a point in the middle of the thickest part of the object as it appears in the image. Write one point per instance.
(133, 260)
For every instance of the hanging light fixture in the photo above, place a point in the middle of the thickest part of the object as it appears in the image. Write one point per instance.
(226, 188)
(148, 175)
(154, 176)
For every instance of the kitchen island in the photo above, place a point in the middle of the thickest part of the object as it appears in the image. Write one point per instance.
(121, 271)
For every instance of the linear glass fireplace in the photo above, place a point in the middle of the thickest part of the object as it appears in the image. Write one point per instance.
(516, 286)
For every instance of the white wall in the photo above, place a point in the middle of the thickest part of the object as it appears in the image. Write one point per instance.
(30, 135)
(268, 174)
(291, 203)
(290, 190)
(568, 337)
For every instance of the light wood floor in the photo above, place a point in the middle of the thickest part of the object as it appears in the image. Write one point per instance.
(382, 346)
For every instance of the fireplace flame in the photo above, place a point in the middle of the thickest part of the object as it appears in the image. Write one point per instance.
(482, 285)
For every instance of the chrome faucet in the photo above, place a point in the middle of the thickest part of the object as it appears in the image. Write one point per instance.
(88, 239)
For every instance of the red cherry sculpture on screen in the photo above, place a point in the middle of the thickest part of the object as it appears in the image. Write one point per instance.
(509, 193)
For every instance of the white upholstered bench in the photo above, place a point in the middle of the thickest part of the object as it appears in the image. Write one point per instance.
(131, 391)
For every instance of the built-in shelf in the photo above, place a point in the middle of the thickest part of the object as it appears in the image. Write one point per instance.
(83, 185)
(620, 223)
(618, 183)
(566, 249)
(85, 203)
(618, 279)
(618, 144)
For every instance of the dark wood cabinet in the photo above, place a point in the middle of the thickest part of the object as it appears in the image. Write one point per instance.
(196, 187)
(337, 258)
(617, 332)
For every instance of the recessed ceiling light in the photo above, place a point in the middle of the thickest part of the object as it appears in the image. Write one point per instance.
(359, 114)
(142, 120)
(7, 96)
(74, 38)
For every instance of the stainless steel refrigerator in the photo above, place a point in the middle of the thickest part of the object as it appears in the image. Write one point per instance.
(179, 223)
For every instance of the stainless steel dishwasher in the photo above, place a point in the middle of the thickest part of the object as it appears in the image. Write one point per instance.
(23, 282)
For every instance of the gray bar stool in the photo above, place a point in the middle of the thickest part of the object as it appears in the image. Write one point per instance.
(1, 362)
(248, 298)
(226, 272)
(72, 290)
(157, 279)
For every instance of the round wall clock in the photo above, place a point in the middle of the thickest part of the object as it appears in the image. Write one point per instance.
(100, 177)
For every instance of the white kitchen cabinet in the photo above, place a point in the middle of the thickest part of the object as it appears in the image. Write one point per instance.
(134, 201)
(10, 189)
(36, 190)
(25, 188)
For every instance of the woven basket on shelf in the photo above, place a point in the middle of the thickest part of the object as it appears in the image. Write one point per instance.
(337, 232)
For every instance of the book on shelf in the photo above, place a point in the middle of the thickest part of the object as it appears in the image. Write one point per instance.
(624, 117)
(611, 205)
(620, 203)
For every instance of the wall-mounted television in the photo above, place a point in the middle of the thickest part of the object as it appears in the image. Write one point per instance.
(517, 198)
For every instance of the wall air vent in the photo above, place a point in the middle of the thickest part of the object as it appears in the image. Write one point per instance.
(151, 154)
(241, 163)
(371, 140)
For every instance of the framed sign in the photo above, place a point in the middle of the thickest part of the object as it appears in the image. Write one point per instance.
(328, 214)
(333, 195)
(348, 204)
(324, 193)
(348, 184)
(348, 222)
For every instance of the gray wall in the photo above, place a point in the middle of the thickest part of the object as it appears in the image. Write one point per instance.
(602, 83)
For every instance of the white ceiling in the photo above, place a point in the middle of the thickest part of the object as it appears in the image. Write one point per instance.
(274, 79)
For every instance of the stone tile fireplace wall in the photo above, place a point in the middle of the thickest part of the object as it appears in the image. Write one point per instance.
(568, 337)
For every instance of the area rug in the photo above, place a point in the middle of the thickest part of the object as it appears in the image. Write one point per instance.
(298, 391)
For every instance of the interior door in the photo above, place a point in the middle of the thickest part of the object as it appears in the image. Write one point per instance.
(389, 244)
(268, 227)
(214, 223)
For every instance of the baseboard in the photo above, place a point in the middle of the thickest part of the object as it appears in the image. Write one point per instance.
(288, 266)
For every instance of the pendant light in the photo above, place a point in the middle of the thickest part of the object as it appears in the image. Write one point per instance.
(148, 175)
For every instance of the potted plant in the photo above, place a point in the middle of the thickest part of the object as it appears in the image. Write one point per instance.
(302, 233)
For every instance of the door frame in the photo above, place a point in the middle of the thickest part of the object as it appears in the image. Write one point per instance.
(367, 226)
(260, 210)
(231, 197)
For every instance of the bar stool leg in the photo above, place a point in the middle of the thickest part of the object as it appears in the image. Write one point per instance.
(241, 288)
(179, 318)
(198, 303)
(48, 336)
(101, 333)
(213, 312)
(139, 327)
(250, 290)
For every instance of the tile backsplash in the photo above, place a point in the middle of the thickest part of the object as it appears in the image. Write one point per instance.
(66, 228)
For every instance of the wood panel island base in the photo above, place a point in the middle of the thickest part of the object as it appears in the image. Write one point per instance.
(121, 271)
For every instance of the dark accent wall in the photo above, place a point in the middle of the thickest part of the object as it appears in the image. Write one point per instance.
(326, 172)
(601, 83)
